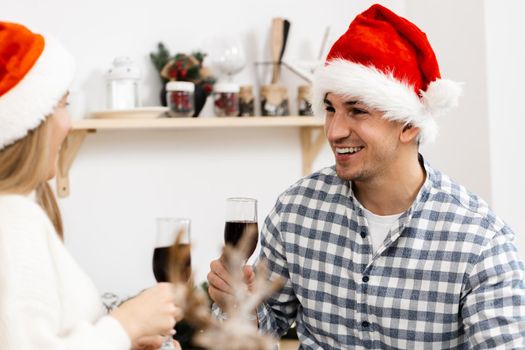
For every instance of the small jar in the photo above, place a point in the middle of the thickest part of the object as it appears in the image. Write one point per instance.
(274, 100)
(226, 100)
(180, 99)
(304, 101)
(246, 102)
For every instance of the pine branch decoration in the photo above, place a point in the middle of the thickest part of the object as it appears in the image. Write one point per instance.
(238, 332)
(161, 57)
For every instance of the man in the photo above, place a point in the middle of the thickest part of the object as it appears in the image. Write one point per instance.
(383, 251)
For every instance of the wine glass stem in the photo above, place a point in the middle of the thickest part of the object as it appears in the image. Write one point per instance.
(167, 344)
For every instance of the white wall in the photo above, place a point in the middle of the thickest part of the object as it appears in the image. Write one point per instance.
(456, 31)
(505, 30)
(122, 181)
(481, 43)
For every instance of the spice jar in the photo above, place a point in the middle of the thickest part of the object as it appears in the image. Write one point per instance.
(180, 98)
(304, 100)
(246, 102)
(274, 100)
(226, 100)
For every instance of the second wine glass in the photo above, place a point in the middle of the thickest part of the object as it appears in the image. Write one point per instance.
(241, 222)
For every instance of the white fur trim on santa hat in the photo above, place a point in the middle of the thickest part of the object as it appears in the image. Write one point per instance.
(29, 102)
(396, 99)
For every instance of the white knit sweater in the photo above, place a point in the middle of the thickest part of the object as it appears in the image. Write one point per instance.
(46, 300)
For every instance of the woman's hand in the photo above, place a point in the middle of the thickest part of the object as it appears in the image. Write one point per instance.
(153, 343)
(151, 313)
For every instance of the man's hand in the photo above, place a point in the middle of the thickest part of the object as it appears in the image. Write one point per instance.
(220, 283)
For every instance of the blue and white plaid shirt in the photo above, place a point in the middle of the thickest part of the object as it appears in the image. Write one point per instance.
(447, 275)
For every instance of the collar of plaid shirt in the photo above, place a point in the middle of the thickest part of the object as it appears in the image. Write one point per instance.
(357, 209)
(446, 276)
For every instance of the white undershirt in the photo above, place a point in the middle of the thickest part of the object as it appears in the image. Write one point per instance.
(379, 226)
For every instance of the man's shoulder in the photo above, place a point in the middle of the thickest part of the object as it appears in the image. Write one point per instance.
(459, 201)
(322, 181)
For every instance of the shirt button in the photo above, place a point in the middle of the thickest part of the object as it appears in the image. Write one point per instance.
(363, 234)
(366, 279)
(365, 324)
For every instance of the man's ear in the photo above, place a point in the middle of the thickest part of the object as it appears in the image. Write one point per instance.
(409, 133)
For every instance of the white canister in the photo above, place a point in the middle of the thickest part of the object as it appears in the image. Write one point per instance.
(123, 84)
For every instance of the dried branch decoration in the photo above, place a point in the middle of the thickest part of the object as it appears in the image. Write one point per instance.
(239, 331)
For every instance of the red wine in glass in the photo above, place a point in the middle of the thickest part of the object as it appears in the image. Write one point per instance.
(235, 230)
(168, 230)
(241, 222)
(161, 259)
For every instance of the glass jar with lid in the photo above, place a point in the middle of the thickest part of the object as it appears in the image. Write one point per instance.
(226, 99)
(304, 100)
(274, 100)
(123, 84)
(180, 98)
(246, 102)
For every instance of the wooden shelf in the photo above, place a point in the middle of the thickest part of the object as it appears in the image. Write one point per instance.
(196, 123)
(311, 135)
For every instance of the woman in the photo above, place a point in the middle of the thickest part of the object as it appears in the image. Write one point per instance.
(46, 300)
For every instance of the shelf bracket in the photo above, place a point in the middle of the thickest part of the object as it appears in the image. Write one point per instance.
(311, 146)
(68, 152)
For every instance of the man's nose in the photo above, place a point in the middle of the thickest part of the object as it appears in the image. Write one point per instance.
(337, 127)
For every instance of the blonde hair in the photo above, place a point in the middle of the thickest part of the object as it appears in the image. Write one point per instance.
(24, 167)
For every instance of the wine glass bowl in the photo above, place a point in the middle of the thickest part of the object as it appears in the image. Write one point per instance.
(168, 230)
(241, 224)
(227, 55)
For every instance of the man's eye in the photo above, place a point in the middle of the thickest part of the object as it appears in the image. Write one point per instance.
(329, 109)
(358, 111)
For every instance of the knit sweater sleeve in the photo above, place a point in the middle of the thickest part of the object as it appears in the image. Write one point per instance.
(30, 299)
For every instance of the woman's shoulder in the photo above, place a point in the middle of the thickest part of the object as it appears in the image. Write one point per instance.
(23, 224)
(16, 207)
(17, 202)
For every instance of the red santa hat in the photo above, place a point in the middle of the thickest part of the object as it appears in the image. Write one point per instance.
(387, 63)
(35, 72)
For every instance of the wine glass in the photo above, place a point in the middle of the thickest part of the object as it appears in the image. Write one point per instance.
(110, 301)
(241, 221)
(168, 230)
(227, 54)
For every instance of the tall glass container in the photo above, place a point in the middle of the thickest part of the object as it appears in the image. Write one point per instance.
(123, 84)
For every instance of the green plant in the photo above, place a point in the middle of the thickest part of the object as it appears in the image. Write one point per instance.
(183, 67)
(204, 286)
(161, 57)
